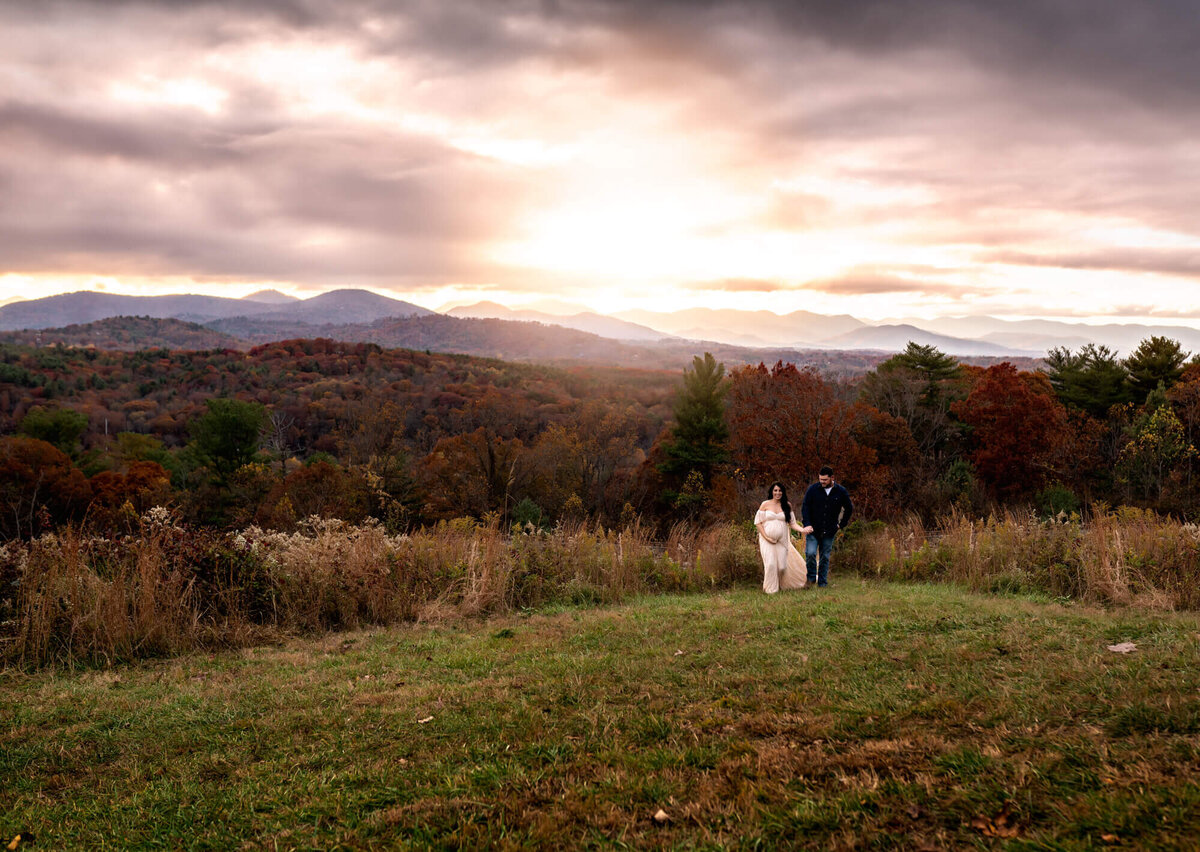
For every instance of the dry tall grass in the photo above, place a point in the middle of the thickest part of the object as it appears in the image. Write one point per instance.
(68, 597)
(1121, 557)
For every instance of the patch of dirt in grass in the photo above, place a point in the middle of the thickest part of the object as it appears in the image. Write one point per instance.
(431, 813)
(19, 733)
(796, 727)
(396, 698)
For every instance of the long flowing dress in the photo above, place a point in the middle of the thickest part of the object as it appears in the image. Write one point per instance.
(783, 566)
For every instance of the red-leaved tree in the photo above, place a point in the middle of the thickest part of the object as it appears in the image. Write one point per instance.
(786, 423)
(38, 484)
(1017, 428)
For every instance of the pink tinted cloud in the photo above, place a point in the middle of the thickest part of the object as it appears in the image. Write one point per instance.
(998, 115)
(739, 285)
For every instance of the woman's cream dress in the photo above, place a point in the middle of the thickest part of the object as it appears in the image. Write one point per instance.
(783, 566)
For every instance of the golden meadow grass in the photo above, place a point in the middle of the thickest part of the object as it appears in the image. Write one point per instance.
(1120, 558)
(70, 597)
(169, 589)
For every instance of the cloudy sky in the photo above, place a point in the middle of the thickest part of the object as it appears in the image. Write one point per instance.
(874, 157)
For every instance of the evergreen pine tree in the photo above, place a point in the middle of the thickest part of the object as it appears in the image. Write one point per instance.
(226, 436)
(1092, 379)
(699, 438)
(1156, 361)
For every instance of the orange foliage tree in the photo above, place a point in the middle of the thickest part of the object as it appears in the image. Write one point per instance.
(474, 474)
(321, 489)
(39, 486)
(1018, 427)
(786, 423)
(1185, 399)
(143, 485)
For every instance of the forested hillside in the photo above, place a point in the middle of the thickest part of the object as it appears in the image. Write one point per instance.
(127, 334)
(517, 340)
(351, 430)
(357, 416)
(511, 340)
(315, 383)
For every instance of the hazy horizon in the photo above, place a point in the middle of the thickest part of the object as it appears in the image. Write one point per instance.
(551, 308)
(882, 159)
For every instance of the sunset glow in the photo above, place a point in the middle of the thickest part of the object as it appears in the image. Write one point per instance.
(747, 154)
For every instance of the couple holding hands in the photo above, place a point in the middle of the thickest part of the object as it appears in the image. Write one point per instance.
(825, 510)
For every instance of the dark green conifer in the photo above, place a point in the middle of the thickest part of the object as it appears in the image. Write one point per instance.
(700, 435)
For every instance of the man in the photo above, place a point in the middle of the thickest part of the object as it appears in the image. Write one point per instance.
(826, 508)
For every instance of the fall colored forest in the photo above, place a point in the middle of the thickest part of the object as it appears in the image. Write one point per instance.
(292, 429)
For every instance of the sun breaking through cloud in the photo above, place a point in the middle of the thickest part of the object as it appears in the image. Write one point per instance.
(880, 157)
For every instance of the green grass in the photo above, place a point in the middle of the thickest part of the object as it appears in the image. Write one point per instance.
(868, 716)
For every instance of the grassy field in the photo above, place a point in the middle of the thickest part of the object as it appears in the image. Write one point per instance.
(869, 715)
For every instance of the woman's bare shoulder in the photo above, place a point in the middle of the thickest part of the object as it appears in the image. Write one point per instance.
(765, 504)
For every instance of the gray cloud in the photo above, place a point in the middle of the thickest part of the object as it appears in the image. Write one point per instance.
(997, 114)
(169, 138)
(1150, 51)
(1147, 50)
(1164, 261)
(217, 201)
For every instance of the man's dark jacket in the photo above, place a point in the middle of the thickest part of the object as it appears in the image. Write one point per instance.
(820, 510)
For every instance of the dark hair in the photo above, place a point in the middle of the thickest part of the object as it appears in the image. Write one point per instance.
(788, 517)
(826, 471)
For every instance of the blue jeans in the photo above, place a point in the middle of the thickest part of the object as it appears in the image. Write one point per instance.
(813, 545)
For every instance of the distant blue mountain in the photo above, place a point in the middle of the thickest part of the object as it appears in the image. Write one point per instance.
(337, 306)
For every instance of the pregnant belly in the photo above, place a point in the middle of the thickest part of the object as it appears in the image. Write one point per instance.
(775, 529)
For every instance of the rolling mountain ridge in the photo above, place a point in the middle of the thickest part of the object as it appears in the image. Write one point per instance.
(893, 338)
(507, 340)
(270, 315)
(347, 306)
(588, 321)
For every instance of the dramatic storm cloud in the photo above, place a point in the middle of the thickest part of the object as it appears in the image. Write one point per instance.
(875, 157)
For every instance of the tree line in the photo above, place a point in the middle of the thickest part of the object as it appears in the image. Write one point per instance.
(316, 427)
(924, 434)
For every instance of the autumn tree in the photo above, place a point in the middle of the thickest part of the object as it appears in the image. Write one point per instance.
(1184, 397)
(1156, 361)
(1157, 444)
(1016, 426)
(592, 458)
(370, 442)
(786, 422)
(38, 486)
(1077, 458)
(558, 464)
(474, 474)
(918, 386)
(898, 452)
(319, 489)
(126, 495)
(610, 443)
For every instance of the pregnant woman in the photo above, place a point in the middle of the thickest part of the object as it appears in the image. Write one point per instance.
(774, 519)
